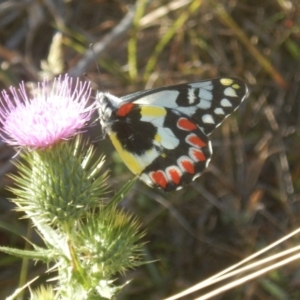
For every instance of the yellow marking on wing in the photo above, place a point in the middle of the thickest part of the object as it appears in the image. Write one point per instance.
(153, 111)
(129, 159)
(226, 81)
(135, 163)
(164, 155)
(157, 138)
(236, 86)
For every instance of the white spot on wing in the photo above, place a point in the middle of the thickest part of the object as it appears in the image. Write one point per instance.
(208, 119)
(230, 92)
(225, 103)
(210, 151)
(167, 139)
(219, 111)
(196, 176)
(191, 96)
(146, 179)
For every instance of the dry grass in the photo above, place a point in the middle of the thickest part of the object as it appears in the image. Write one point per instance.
(248, 197)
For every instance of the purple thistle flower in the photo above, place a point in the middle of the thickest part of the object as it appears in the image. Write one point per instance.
(52, 114)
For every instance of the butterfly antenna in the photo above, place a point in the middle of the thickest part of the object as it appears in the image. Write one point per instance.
(97, 66)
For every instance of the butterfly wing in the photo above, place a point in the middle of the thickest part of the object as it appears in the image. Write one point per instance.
(161, 134)
(164, 148)
(207, 103)
(183, 150)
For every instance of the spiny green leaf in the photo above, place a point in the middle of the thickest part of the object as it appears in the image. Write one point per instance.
(44, 255)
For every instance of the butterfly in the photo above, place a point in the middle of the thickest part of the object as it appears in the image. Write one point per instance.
(162, 133)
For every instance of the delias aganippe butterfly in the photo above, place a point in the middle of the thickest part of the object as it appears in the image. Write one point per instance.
(162, 133)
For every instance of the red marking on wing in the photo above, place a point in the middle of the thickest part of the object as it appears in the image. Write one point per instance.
(199, 155)
(188, 166)
(185, 124)
(125, 109)
(159, 178)
(175, 175)
(195, 141)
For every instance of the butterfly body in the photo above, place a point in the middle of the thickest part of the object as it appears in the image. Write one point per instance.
(162, 134)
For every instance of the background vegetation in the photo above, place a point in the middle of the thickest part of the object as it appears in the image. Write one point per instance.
(249, 195)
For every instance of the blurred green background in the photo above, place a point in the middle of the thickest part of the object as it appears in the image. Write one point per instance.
(249, 195)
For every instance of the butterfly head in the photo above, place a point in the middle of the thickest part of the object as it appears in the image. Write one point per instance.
(107, 108)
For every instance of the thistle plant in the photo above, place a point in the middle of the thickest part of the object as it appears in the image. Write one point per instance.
(60, 186)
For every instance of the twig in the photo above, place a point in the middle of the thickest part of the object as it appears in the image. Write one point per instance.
(101, 46)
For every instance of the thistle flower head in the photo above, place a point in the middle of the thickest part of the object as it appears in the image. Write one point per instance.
(54, 113)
